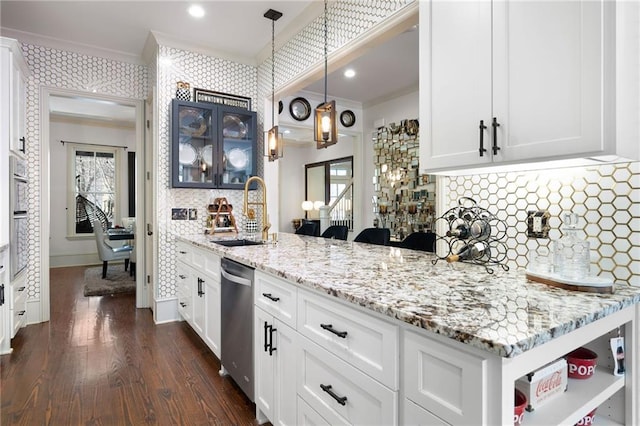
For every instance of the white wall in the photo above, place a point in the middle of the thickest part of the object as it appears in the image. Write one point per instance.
(392, 110)
(63, 251)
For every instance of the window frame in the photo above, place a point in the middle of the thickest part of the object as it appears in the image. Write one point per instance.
(72, 148)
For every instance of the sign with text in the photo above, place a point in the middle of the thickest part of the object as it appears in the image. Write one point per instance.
(220, 98)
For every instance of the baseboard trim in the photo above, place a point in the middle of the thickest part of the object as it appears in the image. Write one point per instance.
(165, 310)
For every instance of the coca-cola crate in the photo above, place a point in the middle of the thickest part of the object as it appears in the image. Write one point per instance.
(544, 384)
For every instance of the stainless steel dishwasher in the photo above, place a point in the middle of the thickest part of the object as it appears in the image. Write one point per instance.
(237, 324)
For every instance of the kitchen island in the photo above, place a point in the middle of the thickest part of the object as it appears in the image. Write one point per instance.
(469, 331)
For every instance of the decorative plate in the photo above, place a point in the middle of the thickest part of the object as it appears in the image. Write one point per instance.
(233, 127)
(347, 118)
(187, 154)
(207, 155)
(192, 122)
(300, 109)
(237, 159)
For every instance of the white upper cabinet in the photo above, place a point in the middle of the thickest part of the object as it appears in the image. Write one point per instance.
(13, 71)
(512, 82)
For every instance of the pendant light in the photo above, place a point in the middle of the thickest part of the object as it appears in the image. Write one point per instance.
(325, 125)
(273, 139)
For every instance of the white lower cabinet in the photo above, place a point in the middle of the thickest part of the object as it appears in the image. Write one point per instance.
(307, 416)
(212, 314)
(275, 365)
(418, 416)
(198, 291)
(18, 290)
(446, 382)
(4, 306)
(339, 392)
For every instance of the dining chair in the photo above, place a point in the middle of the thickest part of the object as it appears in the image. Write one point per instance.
(309, 228)
(423, 241)
(107, 252)
(379, 236)
(339, 232)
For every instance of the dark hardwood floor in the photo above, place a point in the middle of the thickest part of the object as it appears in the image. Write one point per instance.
(101, 361)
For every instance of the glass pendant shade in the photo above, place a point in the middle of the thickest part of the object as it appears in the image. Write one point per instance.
(274, 145)
(325, 125)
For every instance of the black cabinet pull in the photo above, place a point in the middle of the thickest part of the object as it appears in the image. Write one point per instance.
(24, 145)
(342, 400)
(495, 126)
(184, 305)
(182, 277)
(269, 296)
(21, 313)
(21, 288)
(329, 327)
(150, 232)
(182, 252)
(200, 290)
(271, 348)
(1, 294)
(482, 129)
(266, 334)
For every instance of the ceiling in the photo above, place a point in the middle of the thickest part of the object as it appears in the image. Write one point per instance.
(233, 29)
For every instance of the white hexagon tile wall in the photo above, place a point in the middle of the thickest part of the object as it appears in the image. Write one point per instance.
(68, 70)
(606, 198)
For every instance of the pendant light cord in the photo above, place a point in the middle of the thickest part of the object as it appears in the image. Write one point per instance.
(325, 51)
(273, 72)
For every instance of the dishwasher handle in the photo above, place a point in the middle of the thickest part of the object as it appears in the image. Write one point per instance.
(235, 279)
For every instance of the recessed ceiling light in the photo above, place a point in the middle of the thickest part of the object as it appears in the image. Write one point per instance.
(196, 11)
(349, 73)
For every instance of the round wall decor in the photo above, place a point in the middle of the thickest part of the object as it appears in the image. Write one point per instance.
(347, 118)
(300, 109)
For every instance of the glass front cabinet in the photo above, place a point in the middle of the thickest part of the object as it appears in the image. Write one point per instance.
(213, 146)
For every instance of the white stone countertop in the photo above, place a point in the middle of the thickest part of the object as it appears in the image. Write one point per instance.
(501, 313)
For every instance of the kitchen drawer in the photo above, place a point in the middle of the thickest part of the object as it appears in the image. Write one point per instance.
(184, 252)
(18, 294)
(307, 416)
(277, 297)
(369, 344)
(418, 416)
(366, 402)
(183, 290)
(447, 382)
(206, 262)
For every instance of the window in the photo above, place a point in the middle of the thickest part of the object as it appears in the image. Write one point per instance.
(93, 187)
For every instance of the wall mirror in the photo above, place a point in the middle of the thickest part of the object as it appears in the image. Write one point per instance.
(331, 182)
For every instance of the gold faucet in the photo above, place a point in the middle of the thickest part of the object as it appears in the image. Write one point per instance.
(245, 208)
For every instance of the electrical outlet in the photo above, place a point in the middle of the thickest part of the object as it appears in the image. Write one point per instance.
(538, 224)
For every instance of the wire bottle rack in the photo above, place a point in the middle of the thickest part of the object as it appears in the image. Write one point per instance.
(472, 234)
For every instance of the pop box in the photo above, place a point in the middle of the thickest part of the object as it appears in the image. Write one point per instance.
(544, 384)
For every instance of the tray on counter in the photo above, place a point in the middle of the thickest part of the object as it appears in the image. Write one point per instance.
(590, 284)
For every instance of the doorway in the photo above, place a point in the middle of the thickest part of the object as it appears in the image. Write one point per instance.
(92, 107)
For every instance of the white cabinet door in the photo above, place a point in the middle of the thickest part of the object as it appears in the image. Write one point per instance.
(532, 72)
(18, 108)
(4, 306)
(275, 367)
(285, 342)
(264, 363)
(455, 82)
(548, 78)
(197, 296)
(183, 289)
(418, 416)
(212, 314)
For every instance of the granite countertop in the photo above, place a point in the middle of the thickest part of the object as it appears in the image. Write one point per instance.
(501, 313)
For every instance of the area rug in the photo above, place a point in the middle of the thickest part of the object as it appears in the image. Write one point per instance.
(118, 281)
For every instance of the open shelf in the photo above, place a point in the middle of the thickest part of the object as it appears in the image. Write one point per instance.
(581, 397)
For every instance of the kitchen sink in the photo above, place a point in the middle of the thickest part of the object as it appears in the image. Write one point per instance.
(238, 242)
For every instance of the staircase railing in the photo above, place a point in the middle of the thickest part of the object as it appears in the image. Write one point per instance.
(340, 211)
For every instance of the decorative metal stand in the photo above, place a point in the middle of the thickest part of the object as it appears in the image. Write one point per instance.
(469, 226)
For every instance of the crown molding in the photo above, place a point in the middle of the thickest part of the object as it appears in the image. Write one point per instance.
(85, 49)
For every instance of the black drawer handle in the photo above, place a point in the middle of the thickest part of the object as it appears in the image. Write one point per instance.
(21, 313)
(184, 305)
(342, 400)
(482, 129)
(271, 297)
(271, 348)
(182, 252)
(329, 327)
(182, 277)
(21, 288)
(24, 144)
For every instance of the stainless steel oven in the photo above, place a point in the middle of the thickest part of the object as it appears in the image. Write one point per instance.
(18, 202)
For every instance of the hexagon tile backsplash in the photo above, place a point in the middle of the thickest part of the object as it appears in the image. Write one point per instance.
(606, 198)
